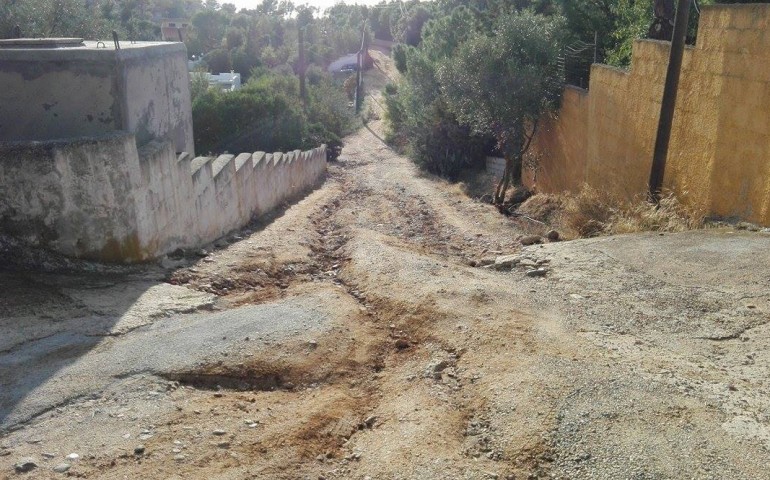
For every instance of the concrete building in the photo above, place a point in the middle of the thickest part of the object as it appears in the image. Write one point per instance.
(174, 29)
(64, 88)
(228, 82)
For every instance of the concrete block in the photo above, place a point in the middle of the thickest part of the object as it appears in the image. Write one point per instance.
(258, 159)
(242, 160)
(198, 163)
(221, 163)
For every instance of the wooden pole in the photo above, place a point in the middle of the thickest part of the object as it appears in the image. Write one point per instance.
(669, 99)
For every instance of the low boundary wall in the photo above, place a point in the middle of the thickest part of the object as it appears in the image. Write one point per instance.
(104, 199)
(720, 142)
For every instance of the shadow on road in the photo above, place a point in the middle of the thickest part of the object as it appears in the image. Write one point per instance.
(47, 322)
(375, 134)
(55, 311)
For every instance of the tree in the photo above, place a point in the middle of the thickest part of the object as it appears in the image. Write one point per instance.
(502, 84)
(209, 28)
(408, 29)
(50, 18)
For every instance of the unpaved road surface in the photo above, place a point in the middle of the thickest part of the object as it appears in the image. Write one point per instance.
(354, 336)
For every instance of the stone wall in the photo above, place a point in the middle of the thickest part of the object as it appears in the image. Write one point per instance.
(105, 199)
(720, 144)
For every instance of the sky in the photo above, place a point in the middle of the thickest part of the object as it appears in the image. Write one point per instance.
(322, 4)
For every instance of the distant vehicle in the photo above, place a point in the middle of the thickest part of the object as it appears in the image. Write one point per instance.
(350, 67)
(344, 63)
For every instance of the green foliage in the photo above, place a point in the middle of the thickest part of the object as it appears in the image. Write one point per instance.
(383, 17)
(632, 20)
(199, 84)
(399, 57)
(422, 124)
(497, 83)
(51, 18)
(482, 71)
(264, 115)
(442, 35)
(501, 84)
(218, 61)
(267, 114)
(328, 106)
(408, 28)
(586, 19)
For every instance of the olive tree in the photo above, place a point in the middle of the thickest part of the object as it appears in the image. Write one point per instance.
(501, 84)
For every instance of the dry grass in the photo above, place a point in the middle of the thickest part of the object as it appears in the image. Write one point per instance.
(590, 213)
(544, 207)
(477, 184)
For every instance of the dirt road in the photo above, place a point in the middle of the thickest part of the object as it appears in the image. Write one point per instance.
(358, 338)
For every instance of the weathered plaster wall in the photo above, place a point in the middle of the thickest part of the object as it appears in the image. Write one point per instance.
(102, 199)
(71, 196)
(143, 88)
(561, 146)
(56, 99)
(719, 155)
(156, 95)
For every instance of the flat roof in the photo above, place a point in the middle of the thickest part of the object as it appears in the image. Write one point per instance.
(46, 49)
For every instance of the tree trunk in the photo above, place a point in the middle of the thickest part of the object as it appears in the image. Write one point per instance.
(505, 181)
(514, 156)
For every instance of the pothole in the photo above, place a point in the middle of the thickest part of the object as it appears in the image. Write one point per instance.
(206, 381)
(246, 379)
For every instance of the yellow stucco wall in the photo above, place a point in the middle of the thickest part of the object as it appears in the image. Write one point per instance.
(719, 155)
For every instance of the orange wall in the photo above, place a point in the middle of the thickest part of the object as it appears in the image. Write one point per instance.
(719, 155)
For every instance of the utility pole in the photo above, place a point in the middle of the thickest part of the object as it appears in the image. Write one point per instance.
(301, 60)
(360, 60)
(669, 99)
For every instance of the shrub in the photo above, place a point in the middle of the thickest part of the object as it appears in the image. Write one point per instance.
(420, 121)
(264, 115)
(267, 114)
(399, 57)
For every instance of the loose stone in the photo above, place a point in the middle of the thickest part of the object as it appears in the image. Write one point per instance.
(61, 468)
(530, 240)
(538, 272)
(25, 465)
(506, 262)
(402, 344)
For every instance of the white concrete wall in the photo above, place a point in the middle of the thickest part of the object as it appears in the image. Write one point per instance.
(496, 166)
(63, 93)
(154, 88)
(105, 200)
